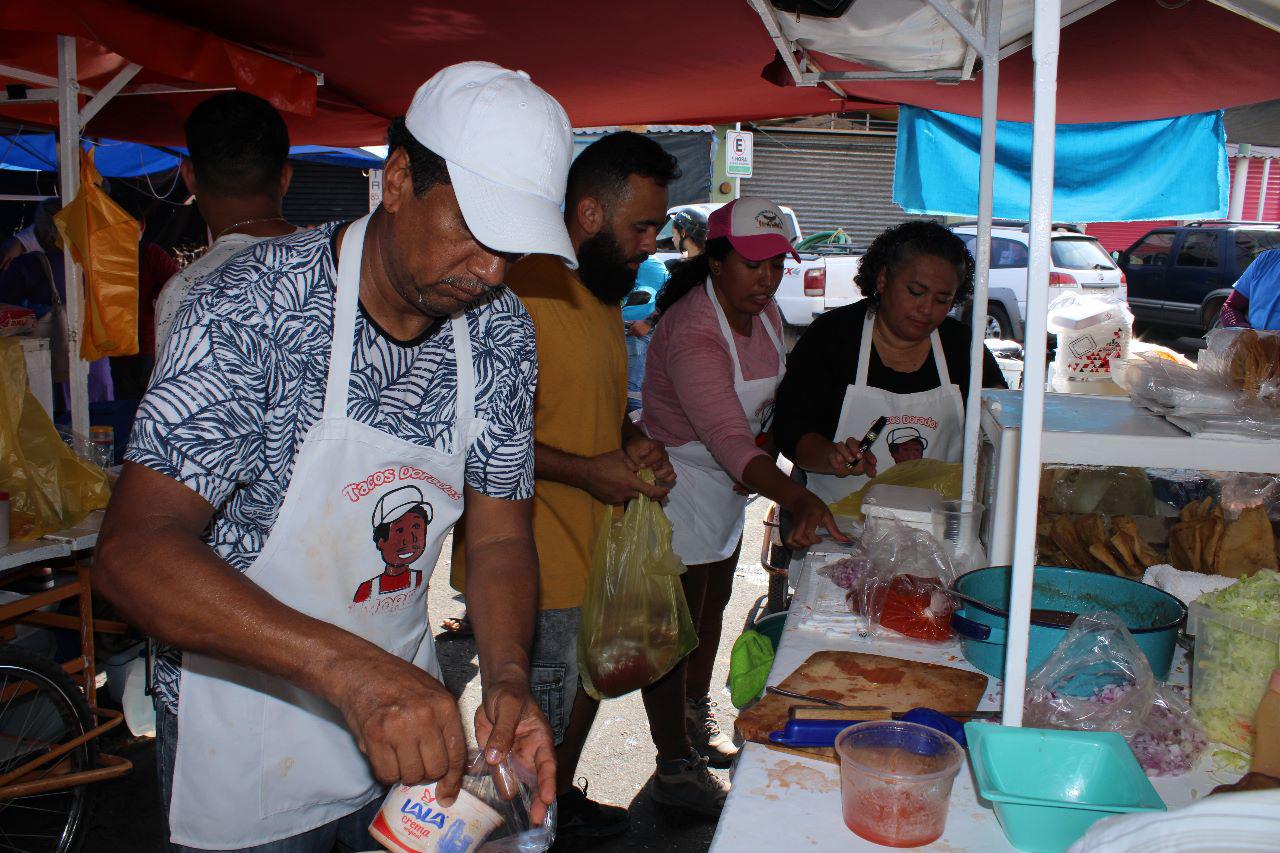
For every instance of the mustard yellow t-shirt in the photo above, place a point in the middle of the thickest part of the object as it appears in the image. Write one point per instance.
(579, 408)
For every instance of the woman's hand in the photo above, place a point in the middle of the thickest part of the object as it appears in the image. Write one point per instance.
(845, 459)
(808, 513)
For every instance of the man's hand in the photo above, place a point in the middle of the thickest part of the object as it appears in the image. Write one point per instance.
(508, 721)
(645, 452)
(404, 721)
(612, 478)
(808, 513)
(846, 459)
(639, 328)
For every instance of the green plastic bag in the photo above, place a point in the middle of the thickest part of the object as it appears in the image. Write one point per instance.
(635, 621)
(749, 665)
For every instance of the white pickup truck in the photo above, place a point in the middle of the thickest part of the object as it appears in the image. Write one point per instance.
(822, 280)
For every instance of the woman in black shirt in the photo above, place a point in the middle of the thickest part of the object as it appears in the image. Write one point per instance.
(895, 354)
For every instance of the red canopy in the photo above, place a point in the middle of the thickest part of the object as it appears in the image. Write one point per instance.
(661, 61)
(111, 35)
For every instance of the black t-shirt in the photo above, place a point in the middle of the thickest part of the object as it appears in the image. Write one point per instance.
(824, 363)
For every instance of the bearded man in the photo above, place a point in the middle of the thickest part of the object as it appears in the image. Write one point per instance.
(588, 453)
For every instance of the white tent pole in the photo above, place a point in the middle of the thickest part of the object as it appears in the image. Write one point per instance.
(1262, 190)
(69, 174)
(1239, 181)
(1044, 49)
(982, 275)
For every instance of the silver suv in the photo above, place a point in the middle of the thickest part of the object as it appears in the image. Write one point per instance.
(1076, 261)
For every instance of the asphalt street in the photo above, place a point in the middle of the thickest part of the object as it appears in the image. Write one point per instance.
(617, 762)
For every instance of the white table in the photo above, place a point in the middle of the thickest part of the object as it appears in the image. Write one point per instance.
(782, 802)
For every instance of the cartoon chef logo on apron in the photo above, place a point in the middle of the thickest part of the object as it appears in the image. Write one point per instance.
(923, 425)
(906, 444)
(401, 518)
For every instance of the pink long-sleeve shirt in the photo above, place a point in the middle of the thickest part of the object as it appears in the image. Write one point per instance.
(688, 382)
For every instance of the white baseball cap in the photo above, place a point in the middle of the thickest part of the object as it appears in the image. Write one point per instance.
(508, 146)
(755, 226)
(397, 502)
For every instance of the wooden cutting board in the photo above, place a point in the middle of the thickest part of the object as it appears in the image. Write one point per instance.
(854, 678)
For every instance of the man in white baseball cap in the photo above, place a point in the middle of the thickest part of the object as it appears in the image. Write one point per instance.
(371, 370)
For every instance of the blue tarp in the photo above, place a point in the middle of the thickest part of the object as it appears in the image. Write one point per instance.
(1173, 168)
(114, 159)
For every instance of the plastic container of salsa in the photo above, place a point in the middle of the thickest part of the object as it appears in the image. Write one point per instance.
(895, 781)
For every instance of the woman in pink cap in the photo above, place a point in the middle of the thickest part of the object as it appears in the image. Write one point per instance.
(714, 364)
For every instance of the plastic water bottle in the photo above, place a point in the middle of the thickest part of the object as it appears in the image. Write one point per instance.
(103, 446)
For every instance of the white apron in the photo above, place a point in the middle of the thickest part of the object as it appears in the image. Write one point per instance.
(259, 759)
(706, 514)
(932, 419)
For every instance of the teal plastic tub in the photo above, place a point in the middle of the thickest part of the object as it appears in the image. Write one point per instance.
(1153, 616)
(1048, 787)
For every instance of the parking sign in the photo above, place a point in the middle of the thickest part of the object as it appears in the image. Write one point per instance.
(737, 161)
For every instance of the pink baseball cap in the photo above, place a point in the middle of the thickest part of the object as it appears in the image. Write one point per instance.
(755, 226)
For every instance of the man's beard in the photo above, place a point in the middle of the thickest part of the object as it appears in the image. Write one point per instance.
(603, 269)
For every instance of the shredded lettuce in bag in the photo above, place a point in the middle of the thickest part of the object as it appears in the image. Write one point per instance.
(1233, 666)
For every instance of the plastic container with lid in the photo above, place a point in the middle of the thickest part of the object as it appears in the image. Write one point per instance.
(1226, 691)
(895, 781)
(909, 505)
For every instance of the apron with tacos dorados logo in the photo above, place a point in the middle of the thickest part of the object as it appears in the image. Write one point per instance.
(923, 425)
(361, 526)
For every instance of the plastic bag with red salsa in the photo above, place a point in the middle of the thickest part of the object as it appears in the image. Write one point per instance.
(905, 590)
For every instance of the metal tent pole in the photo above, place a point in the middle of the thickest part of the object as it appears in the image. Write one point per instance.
(1044, 48)
(69, 126)
(986, 194)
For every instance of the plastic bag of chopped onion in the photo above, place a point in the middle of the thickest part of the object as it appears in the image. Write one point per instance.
(847, 572)
(1170, 740)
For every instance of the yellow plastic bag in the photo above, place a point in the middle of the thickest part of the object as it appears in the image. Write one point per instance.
(104, 241)
(635, 621)
(49, 487)
(942, 477)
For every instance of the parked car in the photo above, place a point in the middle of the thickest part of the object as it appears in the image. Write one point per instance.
(1076, 261)
(822, 280)
(1180, 276)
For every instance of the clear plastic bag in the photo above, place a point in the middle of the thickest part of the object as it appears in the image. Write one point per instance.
(903, 591)
(1093, 334)
(1171, 739)
(1111, 491)
(492, 814)
(1097, 679)
(1245, 360)
(635, 621)
(1171, 388)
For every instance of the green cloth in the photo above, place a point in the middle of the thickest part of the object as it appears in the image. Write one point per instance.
(749, 665)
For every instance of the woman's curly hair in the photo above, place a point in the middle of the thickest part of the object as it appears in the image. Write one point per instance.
(908, 240)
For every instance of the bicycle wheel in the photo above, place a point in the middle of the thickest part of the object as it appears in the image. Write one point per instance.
(40, 708)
